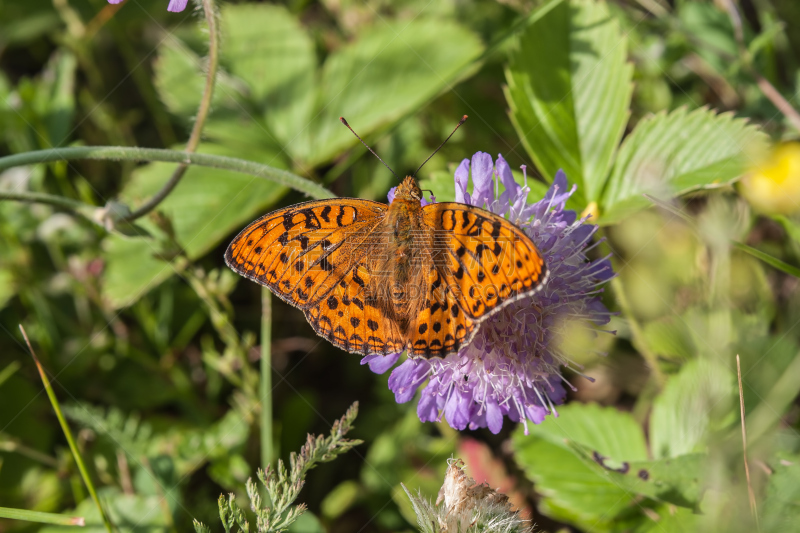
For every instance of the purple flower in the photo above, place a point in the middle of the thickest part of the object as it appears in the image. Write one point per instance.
(512, 368)
(176, 6)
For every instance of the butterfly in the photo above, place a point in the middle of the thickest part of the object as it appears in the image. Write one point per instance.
(378, 279)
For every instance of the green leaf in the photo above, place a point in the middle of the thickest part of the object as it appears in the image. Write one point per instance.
(569, 88)
(670, 337)
(695, 402)
(572, 490)
(675, 481)
(180, 80)
(711, 31)
(267, 48)
(57, 96)
(612, 433)
(129, 513)
(207, 205)
(7, 287)
(340, 499)
(670, 520)
(781, 506)
(386, 73)
(676, 153)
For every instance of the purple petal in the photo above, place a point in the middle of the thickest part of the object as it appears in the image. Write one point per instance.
(380, 363)
(494, 417)
(457, 409)
(462, 180)
(507, 179)
(406, 378)
(115, 1)
(390, 196)
(176, 6)
(427, 410)
(482, 182)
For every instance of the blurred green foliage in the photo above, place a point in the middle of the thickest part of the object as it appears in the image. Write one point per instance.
(151, 342)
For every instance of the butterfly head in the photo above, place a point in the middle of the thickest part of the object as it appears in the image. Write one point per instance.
(409, 190)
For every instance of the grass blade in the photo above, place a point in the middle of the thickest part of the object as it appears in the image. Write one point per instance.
(768, 259)
(42, 518)
(67, 433)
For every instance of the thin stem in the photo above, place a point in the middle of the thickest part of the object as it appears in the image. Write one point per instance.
(67, 433)
(202, 113)
(14, 446)
(123, 153)
(42, 518)
(267, 453)
(750, 494)
(637, 332)
(84, 210)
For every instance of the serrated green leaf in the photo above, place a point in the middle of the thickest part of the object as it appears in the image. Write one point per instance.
(206, 206)
(694, 402)
(676, 480)
(267, 48)
(676, 153)
(569, 88)
(612, 433)
(572, 490)
(383, 75)
(180, 80)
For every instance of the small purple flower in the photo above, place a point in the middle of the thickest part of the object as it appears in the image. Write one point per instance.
(175, 6)
(512, 368)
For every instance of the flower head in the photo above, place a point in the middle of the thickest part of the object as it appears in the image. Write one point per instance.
(773, 187)
(512, 367)
(175, 6)
(468, 506)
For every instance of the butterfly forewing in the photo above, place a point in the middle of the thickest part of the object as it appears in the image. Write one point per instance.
(302, 252)
(484, 259)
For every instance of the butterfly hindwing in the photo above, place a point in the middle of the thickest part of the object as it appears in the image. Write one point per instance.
(301, 252)
(351, 319)
(441, 326)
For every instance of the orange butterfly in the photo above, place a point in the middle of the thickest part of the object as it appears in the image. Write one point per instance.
(378, 279)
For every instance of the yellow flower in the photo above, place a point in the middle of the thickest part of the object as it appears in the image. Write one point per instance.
(773, 187)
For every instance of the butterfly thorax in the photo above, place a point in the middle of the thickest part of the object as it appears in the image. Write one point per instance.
(406, 237)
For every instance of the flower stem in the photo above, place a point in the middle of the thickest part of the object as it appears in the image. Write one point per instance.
(123, 153)
(51, 199)
(637, 333)
(267, 454)
(202, 113)
(67, 433)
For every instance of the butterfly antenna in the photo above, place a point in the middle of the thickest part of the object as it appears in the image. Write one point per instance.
(460, 122)
(368, 148)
